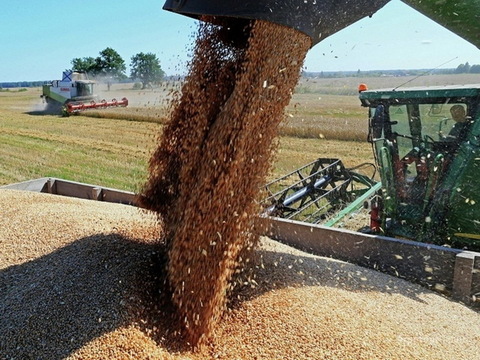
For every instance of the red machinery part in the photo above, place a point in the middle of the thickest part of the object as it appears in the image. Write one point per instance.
(375, 215)
(80, 106)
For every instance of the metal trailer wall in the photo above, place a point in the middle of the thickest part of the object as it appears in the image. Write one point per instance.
(451, 271)
(74, 189)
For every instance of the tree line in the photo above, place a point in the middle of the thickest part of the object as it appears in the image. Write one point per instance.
(109, 65)
(144, 67)
(460, 69)
(19, 84)
(467, 69)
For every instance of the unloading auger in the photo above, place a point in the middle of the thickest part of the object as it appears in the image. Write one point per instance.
(322, 18)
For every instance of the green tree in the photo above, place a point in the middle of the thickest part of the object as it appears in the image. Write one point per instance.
(86, 64)
(146, 68)
(110, 64)
(463, 68)
(475, 69)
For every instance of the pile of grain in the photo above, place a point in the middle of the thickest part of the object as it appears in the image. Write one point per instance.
(76, 283)
(214, 156)
(68, 271)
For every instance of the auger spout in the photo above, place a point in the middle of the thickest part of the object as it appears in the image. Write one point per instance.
(316, 18)
(322, 18)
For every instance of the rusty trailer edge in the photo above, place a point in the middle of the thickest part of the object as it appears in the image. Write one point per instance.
(74, 189)
(454, 272)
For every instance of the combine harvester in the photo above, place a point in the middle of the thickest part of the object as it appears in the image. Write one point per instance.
(426, 145)
(75, 93)
(427, 197)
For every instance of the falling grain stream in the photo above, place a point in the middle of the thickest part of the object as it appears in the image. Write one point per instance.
(213, 157)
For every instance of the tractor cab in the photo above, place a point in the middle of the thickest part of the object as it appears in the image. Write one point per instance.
(426, 142)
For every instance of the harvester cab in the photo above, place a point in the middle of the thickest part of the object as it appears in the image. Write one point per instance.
(83, 89)
(73, 86)
(426, 142)
(74, 93)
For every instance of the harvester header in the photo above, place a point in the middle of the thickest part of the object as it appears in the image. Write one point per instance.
(75, 107)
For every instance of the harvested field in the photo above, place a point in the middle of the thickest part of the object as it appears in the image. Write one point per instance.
(77, 282)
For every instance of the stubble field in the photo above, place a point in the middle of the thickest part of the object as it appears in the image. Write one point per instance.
(112, 147)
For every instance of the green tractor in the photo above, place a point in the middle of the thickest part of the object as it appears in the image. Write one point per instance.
(426, 142)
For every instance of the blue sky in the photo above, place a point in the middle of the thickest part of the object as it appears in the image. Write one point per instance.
(38, 39)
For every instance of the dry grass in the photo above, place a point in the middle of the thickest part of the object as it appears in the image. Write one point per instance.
(148, 105)
(329, 107)
(349, 85)
(294, 152)
(100, 151)
(114, 152)
(324, 116)
(112, 149)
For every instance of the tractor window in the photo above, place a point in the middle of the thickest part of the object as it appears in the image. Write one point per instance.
(84, 89)
(415, 123)
(443, 122)
(433, 120)
(401, 125)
